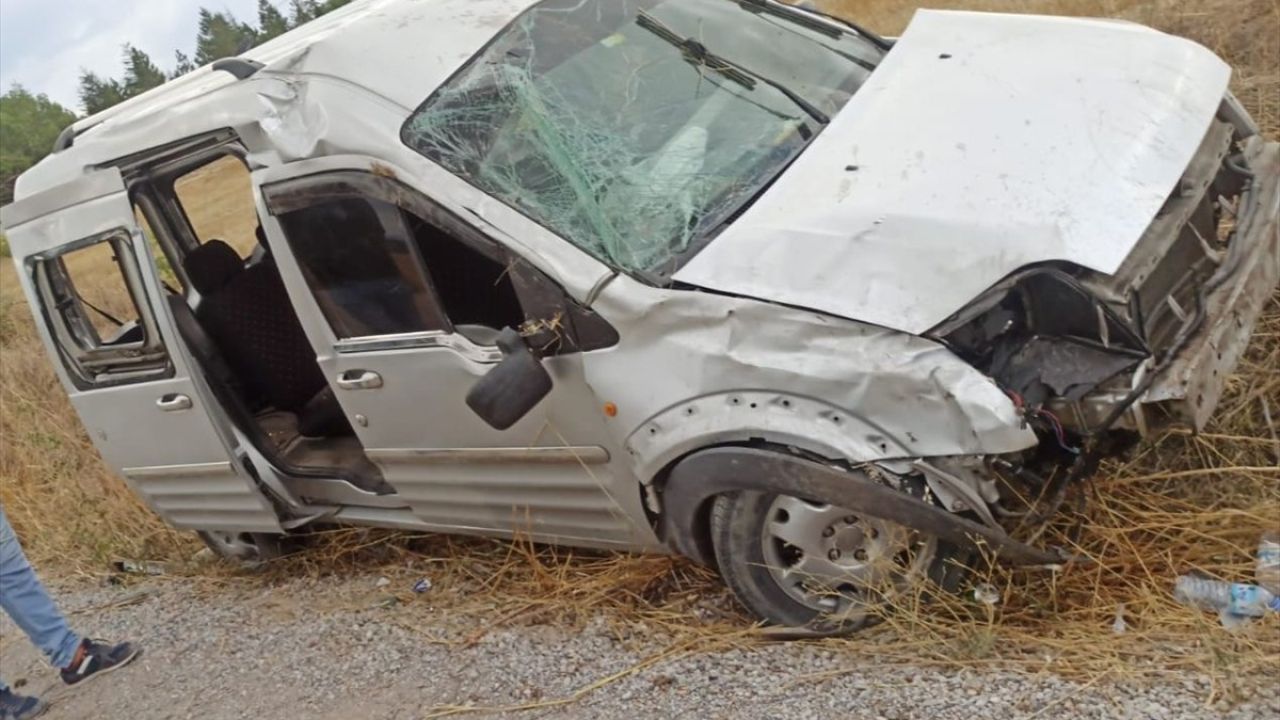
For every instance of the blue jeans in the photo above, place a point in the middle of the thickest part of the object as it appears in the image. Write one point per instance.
(25, 600)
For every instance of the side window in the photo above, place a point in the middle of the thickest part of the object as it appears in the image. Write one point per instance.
(96, 308)
(474, 289)
(361, 262)
(382, 259)
(217, 199)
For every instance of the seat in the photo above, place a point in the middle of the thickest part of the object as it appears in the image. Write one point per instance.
(211, 267)
(247, 314)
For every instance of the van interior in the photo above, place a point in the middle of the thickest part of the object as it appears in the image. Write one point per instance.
(231, 308)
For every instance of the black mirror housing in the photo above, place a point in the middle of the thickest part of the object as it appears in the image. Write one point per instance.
(514, 387)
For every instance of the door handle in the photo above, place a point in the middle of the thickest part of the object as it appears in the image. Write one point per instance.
(174, 402)
(359, 380)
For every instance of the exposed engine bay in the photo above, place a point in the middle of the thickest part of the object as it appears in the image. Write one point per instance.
(1079, 352)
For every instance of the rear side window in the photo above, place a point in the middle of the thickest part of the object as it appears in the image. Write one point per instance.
(217, 199)
(96, 309)
(360, 260)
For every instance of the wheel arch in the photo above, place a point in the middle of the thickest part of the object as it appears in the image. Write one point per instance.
(693, 481)
(780, 422)
(684, 522)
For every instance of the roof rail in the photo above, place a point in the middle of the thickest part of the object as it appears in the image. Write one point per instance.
(66, 138)
(241, 68)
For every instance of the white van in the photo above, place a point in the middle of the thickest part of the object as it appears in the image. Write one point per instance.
(731, 279)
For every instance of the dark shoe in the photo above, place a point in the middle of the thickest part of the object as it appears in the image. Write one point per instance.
(98, 656)
(20, 707)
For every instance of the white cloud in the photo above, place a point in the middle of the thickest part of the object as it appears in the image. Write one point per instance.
(44, 47)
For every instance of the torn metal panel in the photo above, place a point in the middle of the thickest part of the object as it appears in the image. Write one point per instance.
(1189, 390)
(292, 125)
(982, 144)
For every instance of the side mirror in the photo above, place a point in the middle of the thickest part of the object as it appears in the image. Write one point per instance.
(514, 387)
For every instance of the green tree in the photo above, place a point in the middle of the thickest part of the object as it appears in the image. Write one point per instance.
(221, 35)
(140, 73)
(28, 126)
(271, 22)
(302, 11)
(99, 93)
(181, 64)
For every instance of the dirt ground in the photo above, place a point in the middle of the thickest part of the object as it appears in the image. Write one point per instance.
(340, 648)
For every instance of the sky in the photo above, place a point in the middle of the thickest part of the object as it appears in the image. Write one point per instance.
(44, 44)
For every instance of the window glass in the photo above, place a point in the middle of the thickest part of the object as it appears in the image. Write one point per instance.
(98, 283)
(217, 199)
(97, 312)
(359, 258)
(473, 288)
(637, 128)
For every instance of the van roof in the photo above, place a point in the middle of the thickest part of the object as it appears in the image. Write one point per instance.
(398, 50)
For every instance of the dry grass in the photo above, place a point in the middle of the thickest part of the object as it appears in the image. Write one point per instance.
(1181, 503)
(68, 507)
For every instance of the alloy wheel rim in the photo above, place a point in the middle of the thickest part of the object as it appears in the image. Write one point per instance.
(836, 561)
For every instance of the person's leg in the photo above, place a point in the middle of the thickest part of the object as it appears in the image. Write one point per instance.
(25, 600)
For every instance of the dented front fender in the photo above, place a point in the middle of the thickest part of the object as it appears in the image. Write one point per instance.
(696, 369)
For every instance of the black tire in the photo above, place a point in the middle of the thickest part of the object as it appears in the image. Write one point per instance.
(737, 525)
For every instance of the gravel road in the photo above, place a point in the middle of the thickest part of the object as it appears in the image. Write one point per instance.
(333, 648)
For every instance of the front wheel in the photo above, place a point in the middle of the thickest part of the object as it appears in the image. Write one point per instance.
(802, 563)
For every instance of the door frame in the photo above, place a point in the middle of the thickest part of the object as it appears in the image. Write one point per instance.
(467, 477)
(212, 492)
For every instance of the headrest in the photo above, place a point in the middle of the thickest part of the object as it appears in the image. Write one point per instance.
(211, 266)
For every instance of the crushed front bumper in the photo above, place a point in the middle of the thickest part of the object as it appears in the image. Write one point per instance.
(1188, 390)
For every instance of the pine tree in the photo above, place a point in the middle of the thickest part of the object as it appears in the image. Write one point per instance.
(303, 11)
(140, 73)
(98, 94)
(181, 64)
(221, 35)
(271, 22)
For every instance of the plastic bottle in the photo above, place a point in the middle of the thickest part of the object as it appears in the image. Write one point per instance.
(1268, 573)
(1233, 601)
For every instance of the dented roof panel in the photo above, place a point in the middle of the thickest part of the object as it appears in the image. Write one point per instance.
(356, 43)
(983, 143)
(398, 51)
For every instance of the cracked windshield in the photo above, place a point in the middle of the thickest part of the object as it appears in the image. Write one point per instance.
(636, 129)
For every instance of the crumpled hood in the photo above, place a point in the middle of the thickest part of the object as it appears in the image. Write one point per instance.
(983, 143)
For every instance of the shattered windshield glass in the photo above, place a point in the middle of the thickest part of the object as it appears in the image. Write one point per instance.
(636, 128)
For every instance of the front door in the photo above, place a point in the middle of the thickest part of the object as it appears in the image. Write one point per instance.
(403, 302)
(89, 278)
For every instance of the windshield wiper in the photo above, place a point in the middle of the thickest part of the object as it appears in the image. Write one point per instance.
(698, 54)
(806, 18)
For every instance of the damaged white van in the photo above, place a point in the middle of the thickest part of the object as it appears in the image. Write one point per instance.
(725, 278)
